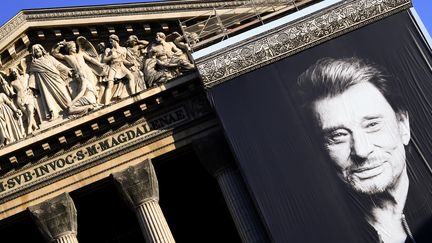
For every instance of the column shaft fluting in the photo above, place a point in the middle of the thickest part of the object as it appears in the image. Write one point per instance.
(139, 186)
(71, 238)
(153, 223)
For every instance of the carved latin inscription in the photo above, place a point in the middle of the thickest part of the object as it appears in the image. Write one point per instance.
(90, 152)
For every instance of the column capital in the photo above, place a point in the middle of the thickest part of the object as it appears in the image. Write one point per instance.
(55, 217)
(138, 184)
(214, 153)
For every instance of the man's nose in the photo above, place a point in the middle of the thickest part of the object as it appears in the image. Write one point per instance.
(361, 146)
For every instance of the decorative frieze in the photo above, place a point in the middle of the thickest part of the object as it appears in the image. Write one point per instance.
(12, 25)
(55, 168)
(74, 78)
(289, 39)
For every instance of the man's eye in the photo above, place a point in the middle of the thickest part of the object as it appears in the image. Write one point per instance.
(337, 137)
(373, 126)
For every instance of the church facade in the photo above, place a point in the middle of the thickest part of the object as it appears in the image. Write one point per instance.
(109, 126)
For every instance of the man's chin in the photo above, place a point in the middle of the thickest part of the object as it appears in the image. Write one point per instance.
(370, 186)
(370, 191)
(375, 198)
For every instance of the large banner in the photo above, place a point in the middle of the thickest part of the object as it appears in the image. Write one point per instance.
(335, 142)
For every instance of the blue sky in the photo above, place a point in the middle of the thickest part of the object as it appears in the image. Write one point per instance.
(10, 8)
(424, 9)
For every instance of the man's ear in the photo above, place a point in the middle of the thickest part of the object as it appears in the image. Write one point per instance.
(404, 126)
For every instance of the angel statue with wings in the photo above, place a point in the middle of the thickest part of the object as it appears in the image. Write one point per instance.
(85, 70)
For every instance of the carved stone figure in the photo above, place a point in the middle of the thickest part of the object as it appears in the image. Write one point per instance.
(152, 74)
(86, 97)
(136, 49)
(102, 80)
(181, 41)
(85, 100)
(5, 86)
(169, 57)
(101, 47)
(48, 76)
(116, 59)
(24, 98)
(80, 59)
(11, 127)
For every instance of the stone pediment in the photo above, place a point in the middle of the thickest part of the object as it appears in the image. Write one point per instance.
(64, 90)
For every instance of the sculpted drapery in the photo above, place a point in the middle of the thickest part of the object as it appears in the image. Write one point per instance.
(11, 127)
(135, 50)
(116, 58)
(88, 79)
(47, 75)
(78, 59)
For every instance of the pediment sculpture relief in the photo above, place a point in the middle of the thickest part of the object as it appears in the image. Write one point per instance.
(76, 77)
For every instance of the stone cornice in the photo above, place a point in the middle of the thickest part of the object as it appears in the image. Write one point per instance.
(293, 37)
(12, 25)
(124, 9)
(29, 18)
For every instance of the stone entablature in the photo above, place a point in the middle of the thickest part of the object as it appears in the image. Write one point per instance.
(65, 134)
(80, 152)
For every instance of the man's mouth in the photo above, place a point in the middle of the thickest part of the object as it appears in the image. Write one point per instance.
(368, 171)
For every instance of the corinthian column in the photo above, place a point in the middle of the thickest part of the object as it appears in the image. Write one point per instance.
(216, 157)
(56, 219)
(139, 186)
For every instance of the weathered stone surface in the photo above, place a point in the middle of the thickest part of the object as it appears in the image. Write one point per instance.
(138, 184)
(56, 217)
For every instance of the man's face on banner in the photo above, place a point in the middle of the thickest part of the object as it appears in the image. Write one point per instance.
(364, 137)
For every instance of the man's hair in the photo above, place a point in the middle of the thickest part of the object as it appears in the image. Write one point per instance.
(15, 70)
(161, 35)
(130, 39)
(101, 46)
(44, 52)
(329, 77)
(114, 37)
(69, 46)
